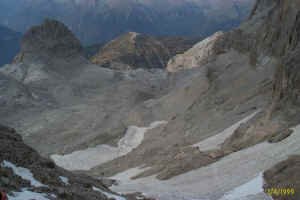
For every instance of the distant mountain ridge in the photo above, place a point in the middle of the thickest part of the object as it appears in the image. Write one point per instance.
(9, 44)
(99, 21)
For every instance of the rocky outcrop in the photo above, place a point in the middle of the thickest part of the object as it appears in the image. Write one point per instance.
(202, 53)
(22, 167)
(282, 180)
(277, 37)
(25, 174)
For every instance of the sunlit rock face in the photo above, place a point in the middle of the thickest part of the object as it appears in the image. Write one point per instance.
(107, 19)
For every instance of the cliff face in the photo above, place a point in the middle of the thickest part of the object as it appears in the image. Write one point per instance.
(279, 37)
(287, 76)
(276, 38)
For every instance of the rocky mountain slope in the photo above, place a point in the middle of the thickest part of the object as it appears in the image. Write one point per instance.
(27, 175)
(55, 80)
(265, 50)
(133, 50)
(9, 45)
(108, 19)
(221, 119)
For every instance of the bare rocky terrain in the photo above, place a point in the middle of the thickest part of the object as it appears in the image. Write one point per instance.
(24, 173)
(134, 51)
(221, 120)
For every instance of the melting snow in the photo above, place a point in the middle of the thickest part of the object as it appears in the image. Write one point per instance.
(27, 195)
(65, 180)
(108, 195)
(92, 157)
(253, 187)
(134, 137)
(214, 141)
(24, 173)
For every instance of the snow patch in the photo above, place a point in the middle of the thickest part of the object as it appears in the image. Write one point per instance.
(108, 195)
(65, 180)
(253, 187)
(24, 173)
(214, 141)
(86, 159)
(134, 137)
(214, 180)
(27, 195)
(92, 157)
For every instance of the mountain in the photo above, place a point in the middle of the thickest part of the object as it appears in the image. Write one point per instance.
(51, 74)
(134, 50)
(27, 175)
(9, 44)
(108, 19)
(221, 122)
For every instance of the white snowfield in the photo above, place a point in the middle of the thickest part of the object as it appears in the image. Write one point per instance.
(235, 177)
(253, 187)
(92, 157)
(28, 195)
(214, 141)
(23, 173)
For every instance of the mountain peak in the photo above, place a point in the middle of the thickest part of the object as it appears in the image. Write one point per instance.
(135, 50)
(52, 37)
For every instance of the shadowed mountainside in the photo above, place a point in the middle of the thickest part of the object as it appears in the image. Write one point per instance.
(9, 45)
